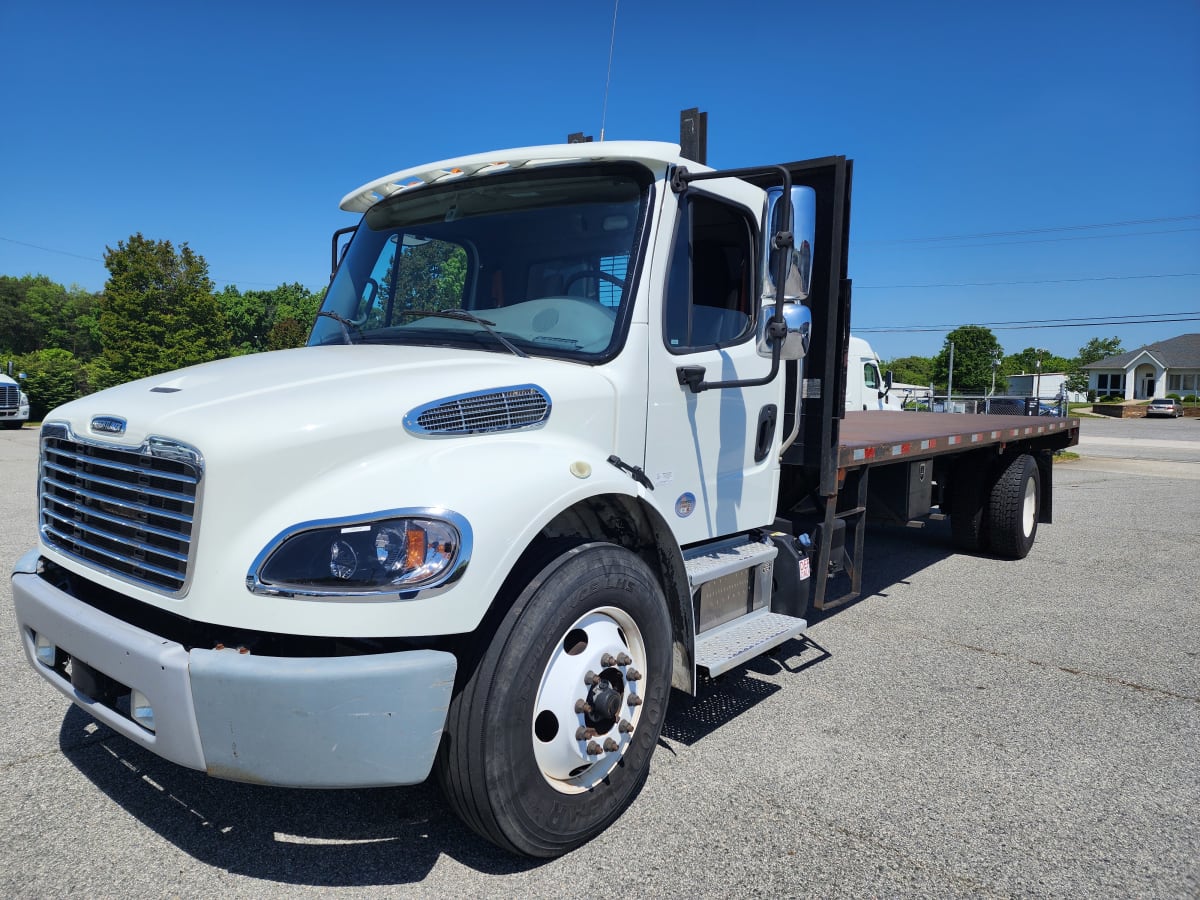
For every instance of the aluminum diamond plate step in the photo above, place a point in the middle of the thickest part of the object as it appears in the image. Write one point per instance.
(713, 561)
(732, 644)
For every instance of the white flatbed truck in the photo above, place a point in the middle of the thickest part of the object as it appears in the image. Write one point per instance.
(554, 448)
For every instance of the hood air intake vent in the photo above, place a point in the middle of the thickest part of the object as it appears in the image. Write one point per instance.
(503, 409)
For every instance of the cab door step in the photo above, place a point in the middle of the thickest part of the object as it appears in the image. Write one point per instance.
(727, 646)
(713, 561)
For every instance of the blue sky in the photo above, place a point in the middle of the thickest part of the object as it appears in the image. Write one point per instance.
(996, 146)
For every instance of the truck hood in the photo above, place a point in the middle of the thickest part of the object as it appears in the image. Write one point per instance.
(293, 399)
(319, 433)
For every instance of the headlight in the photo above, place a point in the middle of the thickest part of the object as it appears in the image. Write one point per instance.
(392, 554)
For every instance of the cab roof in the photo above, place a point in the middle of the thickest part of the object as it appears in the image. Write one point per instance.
(657, 155)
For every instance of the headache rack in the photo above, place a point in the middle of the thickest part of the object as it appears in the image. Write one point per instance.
(130, 511)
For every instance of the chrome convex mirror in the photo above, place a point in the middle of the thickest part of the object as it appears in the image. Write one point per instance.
(798, 279)
(798, 320)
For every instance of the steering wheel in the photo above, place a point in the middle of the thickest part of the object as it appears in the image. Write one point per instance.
(593, 273)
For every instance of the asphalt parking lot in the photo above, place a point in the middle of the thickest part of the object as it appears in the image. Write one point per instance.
(970, 726)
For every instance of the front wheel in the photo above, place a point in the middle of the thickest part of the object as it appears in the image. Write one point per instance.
(550, 737)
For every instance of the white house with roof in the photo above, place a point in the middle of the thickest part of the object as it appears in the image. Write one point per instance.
(1155, 370)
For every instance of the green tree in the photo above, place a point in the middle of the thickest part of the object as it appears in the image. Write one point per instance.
(1099, 348)
(975, 350)
(158, 311)
(37, 313)
(431, 276)
(52, 377)
(253, 316)
(1093, 351)
(256, 318)
(19, 332)
(1027, 362)
(911, 369)
(288, 333)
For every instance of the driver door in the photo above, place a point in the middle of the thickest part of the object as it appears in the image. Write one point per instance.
(712, 456)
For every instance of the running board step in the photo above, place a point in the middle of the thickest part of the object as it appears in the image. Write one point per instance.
(712, 561)
(729, 645)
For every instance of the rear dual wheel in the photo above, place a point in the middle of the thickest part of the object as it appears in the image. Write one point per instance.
(1001, 516)
(550, 737)
(1014, 507)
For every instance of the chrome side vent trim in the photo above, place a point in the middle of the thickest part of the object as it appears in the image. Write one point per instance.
(514, 408)
(129, 511)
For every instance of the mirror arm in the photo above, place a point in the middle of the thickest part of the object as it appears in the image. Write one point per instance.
(693, 376)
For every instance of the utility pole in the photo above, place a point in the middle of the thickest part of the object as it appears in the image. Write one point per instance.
(950, 379)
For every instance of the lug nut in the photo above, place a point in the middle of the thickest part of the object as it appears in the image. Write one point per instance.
(608, 660)
(633, 675)
(583, 734)
(634, 700)
(611, 746)
(589, 678)
(626, 727)
(623, 659)
(593, 749)
(582, 706)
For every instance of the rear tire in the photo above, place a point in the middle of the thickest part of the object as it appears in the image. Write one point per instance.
(1014, 507)
(517, 763)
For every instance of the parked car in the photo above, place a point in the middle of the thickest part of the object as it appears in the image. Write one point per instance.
(1165, 407)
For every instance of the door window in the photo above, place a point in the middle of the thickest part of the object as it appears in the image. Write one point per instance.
(710, 282)
(871, 376)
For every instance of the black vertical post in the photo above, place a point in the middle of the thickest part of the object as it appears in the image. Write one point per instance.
(693, 135)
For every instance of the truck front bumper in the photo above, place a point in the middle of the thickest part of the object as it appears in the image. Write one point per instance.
(315, 722)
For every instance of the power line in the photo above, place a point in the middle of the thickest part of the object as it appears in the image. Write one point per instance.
(213, 278)
(1024, 231)
(869, 287)
(51, 250)
(1152, 319)
(1075, 318)
(1082, 237)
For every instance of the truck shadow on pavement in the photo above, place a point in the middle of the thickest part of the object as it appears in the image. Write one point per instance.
(387, 836)
(380, 836)
(893, 555)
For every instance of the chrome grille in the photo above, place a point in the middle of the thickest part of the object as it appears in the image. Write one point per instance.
(504, 409)
(9, 396)
(128, 511)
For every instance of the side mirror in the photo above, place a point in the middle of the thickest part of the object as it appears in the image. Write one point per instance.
(887, 384)
(798, 320)
(798, 281)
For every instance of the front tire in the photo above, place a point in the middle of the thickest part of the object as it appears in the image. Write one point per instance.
(550, 737)
(1014, 507)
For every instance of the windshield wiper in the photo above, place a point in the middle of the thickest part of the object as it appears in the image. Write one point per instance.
(341, 320)
(465, 315)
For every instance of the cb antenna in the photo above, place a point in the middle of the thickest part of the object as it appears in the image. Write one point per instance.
(608, 78)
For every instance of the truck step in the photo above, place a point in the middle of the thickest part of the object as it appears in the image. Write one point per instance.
(733, 643)
(708, 563)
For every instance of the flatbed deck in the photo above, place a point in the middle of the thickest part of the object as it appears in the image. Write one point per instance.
(886, 436)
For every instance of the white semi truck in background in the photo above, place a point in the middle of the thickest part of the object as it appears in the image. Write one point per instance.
(14, 403)
(569, 433)
(868, 387)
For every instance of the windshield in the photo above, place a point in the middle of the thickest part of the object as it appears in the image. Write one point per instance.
(534, 263)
